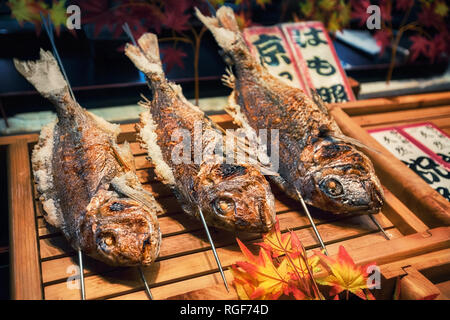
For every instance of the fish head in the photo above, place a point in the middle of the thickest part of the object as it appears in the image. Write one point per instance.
(124, 233)
(235, 197)
(343, 180)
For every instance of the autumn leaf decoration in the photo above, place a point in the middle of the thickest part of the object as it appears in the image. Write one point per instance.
(282, 269)
(30, 10)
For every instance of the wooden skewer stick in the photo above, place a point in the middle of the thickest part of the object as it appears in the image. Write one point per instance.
(305, 208)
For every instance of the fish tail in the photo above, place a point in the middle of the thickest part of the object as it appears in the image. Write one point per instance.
(224, 28)
(45, 75)
(145, 56)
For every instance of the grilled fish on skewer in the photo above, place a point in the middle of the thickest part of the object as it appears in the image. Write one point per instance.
(316, 158)
(87, 183)
(232, 197)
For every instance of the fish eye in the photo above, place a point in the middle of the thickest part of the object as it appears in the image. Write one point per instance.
(332, 187)
(224, 206)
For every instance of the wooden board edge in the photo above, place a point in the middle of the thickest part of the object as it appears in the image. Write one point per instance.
(24, 259)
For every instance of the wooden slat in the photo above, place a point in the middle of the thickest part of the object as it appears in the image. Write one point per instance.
(415, 286)
(29, 138)
(439, 258)
(403, 218)
(25, 271)
(399, 117)
(369, 106)
(440, 122)
(404, 247)
(408, 187)
(444, 287)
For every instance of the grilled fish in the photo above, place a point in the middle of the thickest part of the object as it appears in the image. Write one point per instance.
(316, 159)
(232, 197)
(86, 181)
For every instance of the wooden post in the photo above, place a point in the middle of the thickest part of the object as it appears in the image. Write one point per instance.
(24, 259)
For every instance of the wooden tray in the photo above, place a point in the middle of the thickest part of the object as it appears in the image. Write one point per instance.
(415, 217)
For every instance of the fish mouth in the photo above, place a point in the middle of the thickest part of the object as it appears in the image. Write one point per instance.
(119, 245)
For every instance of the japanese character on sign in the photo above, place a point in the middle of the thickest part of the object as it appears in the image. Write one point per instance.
(334, 93)
(312, 38)
(270, 48)
(323, 67)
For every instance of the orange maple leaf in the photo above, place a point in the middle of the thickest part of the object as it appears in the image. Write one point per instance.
(344, 274)
(259, 277)
(277, 243)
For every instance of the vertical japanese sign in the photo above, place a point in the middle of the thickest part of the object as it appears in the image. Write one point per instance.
(320, 67)
(269, 45)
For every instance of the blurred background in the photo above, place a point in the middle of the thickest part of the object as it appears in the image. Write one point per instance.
(408, 54)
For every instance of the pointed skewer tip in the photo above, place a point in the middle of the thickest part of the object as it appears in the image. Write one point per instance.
(219, 265)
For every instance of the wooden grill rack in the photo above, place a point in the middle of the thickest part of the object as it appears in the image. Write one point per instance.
(415, 216)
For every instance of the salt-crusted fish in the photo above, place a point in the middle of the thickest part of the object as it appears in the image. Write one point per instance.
(316, 158)
(232, 197)
(86, 181)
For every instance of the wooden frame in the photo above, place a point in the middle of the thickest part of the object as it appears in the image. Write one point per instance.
(415, 216)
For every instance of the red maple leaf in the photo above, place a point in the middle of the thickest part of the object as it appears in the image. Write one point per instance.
(385, 9)
(437, 46)
(151, 15)
(360, 10)
(383, 39)
(420, 45)
(172, 57)
(428, 18)
(175, 16)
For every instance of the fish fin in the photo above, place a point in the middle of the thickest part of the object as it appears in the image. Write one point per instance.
(149, 141)
(108, 127)
(129, 185)
(44, 74)
(223, 27)
(355, 142)
(42, 163)
(318, 101)
(124, 155)
(228, 79)
(145, 56)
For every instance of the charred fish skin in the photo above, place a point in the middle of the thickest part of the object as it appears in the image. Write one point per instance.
(231, 197)
(87, 182)
(316, 158)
